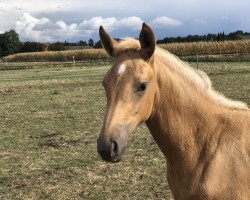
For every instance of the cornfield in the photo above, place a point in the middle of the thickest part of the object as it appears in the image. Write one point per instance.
(208, 48)
(179, 49)
(49, 56)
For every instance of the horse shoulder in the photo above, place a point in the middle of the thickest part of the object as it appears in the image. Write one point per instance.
(228, 172)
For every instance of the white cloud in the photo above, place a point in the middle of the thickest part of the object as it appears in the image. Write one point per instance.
(44, 29)
(134, 23)
(88, 27)
(2, 9)
(31, 28)
(200, 21)
(74, 11)
(26, 27)
(34, 6)
(166, 22)
(47, 25)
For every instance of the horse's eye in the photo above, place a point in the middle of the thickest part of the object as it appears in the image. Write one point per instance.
(142, 87)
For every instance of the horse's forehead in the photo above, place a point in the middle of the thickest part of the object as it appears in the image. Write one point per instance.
(128, 64)
(125, 69)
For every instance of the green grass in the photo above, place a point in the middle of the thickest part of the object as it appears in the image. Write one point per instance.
(50, 118)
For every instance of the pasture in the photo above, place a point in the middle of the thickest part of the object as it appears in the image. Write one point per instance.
(50, 118)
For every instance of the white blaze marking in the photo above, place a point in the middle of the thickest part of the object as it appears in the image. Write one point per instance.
(122, 69)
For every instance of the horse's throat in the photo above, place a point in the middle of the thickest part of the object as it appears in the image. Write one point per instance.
(175, 126)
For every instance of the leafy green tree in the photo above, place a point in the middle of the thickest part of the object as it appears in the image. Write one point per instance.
(9, 43)
(32, 47)
(83, 43)
(98, 44)
(91, 42)
(56, 46)
(211, 37)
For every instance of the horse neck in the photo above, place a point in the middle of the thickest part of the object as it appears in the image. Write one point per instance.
(180, 116)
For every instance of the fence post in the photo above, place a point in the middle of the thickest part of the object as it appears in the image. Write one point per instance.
(197, 61)
(74, 62)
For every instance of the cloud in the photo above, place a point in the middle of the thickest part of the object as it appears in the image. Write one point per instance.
(69, 13)
(165, 22)
(200, 21)
(2, 9)
(134, 23)
(26, 27)
(44, 29)
(88, 27)
(48, 25)
(31, 28)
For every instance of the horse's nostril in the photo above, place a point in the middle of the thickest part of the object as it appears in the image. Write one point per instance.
(109, 151)
(114, 148)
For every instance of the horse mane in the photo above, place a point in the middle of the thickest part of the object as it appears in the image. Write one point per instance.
(198, 77)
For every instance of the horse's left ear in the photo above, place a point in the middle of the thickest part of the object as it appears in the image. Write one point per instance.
(147, 41)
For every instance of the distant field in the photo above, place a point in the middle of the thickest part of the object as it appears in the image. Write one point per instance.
(50, 118)
(179, 49)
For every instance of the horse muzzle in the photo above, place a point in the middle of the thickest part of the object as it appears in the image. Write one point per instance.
(111, 146)
(110, 150)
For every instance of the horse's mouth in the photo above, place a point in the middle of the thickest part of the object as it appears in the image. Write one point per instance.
(109, 158)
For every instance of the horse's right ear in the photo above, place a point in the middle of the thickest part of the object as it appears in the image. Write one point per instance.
(108, 42)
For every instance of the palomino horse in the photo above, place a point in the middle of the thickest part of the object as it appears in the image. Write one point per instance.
(203, 135)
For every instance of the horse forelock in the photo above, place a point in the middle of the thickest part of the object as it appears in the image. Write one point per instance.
(127, 44)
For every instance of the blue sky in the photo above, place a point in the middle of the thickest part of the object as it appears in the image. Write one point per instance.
(74, 20)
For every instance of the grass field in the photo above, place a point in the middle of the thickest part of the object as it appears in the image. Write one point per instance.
(50, 117)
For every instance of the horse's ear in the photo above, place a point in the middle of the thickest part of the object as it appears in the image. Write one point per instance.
(108, 42)
(147, 41)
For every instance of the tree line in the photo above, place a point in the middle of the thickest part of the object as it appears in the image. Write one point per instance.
(11, 44)
(237, 35)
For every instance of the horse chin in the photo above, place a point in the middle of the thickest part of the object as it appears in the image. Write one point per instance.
(114, 159)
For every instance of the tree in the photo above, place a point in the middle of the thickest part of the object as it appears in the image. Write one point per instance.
(91, 42)
(9, 43)
(32, 47)
(223, 36)
(83, 43)
(56, 46)
(238, 35)
(98, 45)
(211, 37)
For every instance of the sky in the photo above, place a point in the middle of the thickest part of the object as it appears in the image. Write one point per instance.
(74, 20)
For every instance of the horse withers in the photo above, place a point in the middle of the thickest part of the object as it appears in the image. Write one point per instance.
(203, 135)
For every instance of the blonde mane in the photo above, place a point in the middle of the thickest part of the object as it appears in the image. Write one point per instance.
(198, 77)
